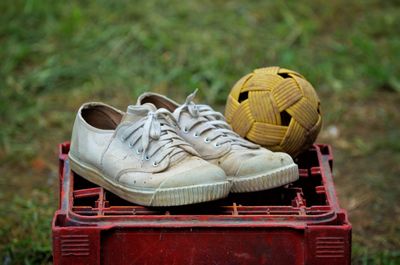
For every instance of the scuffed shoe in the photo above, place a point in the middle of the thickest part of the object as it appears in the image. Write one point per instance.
(248, 166)
(138, 156)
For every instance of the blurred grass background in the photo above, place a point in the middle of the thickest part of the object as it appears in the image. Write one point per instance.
(55, 55)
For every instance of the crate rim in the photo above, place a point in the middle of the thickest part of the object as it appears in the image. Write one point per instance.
(204, 221)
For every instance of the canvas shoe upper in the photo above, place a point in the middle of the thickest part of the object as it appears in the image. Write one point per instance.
(138, 156)
(249, 166)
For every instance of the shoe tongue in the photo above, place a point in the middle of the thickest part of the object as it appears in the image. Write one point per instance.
(136, 112)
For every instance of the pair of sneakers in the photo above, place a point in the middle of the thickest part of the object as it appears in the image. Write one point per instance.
(160, 153)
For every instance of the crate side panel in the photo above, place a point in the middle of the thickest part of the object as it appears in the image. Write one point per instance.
(329, 245)
(228, 246)
(74, 245)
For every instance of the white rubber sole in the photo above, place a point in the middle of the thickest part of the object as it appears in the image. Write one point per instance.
(154, 197)
(269, 180)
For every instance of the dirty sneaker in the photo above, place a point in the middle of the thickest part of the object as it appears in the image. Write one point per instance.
(248, 166)
(138, 156)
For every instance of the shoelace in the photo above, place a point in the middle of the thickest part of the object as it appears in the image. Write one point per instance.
(156, 127)
(212, 122)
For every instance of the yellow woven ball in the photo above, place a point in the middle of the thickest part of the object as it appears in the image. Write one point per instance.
(276, 108)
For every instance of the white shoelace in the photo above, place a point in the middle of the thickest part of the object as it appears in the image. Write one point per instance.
(210, 121)
(158, 136)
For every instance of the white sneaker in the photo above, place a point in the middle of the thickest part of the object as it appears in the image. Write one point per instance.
(249, 166)
(139, 157)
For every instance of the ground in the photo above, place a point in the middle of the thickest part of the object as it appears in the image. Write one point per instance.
(56, 55)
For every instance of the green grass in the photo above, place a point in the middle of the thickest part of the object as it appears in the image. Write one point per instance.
(364, 256)
(27, 228)
(56, 55)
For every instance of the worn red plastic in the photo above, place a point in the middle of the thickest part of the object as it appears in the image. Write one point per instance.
(300, 223)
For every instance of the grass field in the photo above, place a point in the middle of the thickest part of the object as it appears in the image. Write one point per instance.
(56, 55)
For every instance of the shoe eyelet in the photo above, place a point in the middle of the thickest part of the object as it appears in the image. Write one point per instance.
(155, 164)
(206, 140)
(146, 158)
(185, 130)
(130, 145)
(138, 151)
(196, 134)
(217, 145)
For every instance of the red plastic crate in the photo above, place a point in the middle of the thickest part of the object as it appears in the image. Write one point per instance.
(300, 223)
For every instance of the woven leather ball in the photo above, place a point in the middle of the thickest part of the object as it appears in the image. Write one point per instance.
(276, 108)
